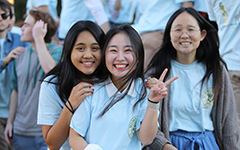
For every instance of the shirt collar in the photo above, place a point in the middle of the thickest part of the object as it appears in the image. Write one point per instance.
(9, 37)
(111, 89)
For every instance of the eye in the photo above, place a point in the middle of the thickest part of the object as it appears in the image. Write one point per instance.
(95, 48)
(128, 50)
(80, 48)
(177, 30)
(113, 50)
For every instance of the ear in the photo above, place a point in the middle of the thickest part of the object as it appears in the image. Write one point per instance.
(203, 34)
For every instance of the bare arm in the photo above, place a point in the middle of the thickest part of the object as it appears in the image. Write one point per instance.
(149, 126)
(118, 5)
(57, 134)
(11, 116)
(76, 141)
(187, 4)
(45, 58)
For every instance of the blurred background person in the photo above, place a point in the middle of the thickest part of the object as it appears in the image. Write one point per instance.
(10, 48)
(227, 16)
(30, 67)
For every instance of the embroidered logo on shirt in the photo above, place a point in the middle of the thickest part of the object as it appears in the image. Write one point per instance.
(132, 127)
(207, 98)
(224, 13)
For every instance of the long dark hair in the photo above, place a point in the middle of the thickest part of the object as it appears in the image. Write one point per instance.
(68, 75)
(138, 72)
(207, 52)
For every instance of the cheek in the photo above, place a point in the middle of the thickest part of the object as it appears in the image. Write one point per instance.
(98, 57)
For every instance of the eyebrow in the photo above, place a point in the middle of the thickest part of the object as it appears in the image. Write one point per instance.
(85, 44)
(116, 46)
(182, 25)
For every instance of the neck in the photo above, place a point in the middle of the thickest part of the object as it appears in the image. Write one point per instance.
(33, 46)
(118, 83)
(3, 34)
(186, 58)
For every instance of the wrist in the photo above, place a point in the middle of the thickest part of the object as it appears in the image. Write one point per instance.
(152, 104)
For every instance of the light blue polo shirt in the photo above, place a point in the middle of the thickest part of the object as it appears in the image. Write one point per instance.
(116, 129)
(50, 105)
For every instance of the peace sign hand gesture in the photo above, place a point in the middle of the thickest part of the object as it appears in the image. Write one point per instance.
(158, 88)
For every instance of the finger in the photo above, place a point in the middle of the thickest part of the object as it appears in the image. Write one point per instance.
(45, 26)
(81, 85)
(163, 74)
(7, 139)
(171, 80)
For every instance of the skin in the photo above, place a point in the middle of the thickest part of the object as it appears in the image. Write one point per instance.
(33, 32)
(185, 45)
(120, 57)
(4, 24)
(86, 53)
(85, 56)
(120, 60)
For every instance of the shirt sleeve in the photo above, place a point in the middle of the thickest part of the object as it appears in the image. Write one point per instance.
(141, 113)
(82, 117)
(50, 104)
(56, 54)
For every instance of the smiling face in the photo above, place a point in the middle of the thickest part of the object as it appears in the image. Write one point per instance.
(119, 55)
(86, 53)
(186, 36)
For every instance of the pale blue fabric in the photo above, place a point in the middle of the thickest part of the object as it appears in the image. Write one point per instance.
(190, 109)
(227, 15)
(71, 12)
(126, 13)
(153, 15)
(52, 6)
(117, 128)
(50, 105)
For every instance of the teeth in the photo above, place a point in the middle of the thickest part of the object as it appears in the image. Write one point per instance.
(185, 43)
(88, 63)
(120, 66)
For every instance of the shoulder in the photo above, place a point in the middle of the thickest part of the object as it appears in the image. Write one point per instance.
(51, 79)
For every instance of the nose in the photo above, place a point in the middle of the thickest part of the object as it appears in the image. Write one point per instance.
(184, 33)
(120, 55)
(87, 53)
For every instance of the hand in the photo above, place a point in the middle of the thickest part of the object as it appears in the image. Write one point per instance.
(79, 92)
(8, 133)
(39, 30)
(13, 55)
(151, 82)
(159, 90)
(169, 147)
